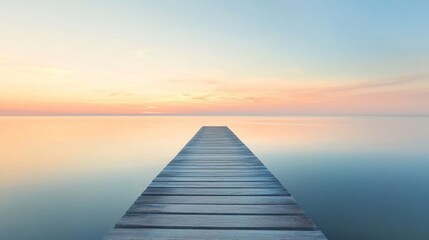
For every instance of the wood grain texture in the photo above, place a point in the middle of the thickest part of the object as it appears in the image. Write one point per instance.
(207, 234)
(207, 170)
(261, 222)
(215, 188)
(177, 191)
(214, 174)
(215, 179)
(218, 184)
(205, 167)
(217, 209)
(240, 200)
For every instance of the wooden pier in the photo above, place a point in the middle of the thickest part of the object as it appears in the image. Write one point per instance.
(215, 188)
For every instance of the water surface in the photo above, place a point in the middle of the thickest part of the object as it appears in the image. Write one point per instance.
(74, 177)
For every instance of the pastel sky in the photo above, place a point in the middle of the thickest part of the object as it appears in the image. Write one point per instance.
(214, 57)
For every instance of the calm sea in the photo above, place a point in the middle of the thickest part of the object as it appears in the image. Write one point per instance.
(74, 177)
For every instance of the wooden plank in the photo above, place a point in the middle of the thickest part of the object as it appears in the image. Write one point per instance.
(215, 167)
(215, 179)
(208, 170)
(218, 184)
(216, 191)
(217, 209)
(215, 174)
(208, 137)
(211, 159)
(214, 164)
(228, 147)
(219, 172)
(229, 200)
(226, 156)
(228, 159)
(215, 161)
(197, 144)
(205, 143)
(215, 151)
(208, 174)
(222, 139)
(261, 222)
(215, 157)
(216, 171)
(216, 146)
(207, 234)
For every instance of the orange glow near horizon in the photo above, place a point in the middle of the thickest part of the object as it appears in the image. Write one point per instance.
(404, 95)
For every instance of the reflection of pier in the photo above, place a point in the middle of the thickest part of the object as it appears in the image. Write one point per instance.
(215, 188)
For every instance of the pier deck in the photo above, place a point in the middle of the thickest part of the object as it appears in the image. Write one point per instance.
(215, 188)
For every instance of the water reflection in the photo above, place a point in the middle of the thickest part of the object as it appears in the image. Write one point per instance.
(73, 177)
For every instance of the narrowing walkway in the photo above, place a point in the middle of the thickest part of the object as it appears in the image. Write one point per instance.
(215, 188)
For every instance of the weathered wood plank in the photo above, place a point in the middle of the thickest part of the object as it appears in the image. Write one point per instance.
(229, 200)
(215, 157)
(219, 155)
(217, 209)
(215, 151)
(208, 170)
(219, 159)
(214, 164)
(215, 179)
(216, 146)
(202, 167)
(216, 161)
(221, 142)
(219, 172)
(207, 234)
(209, 174)
(216, 191)
(218, 184)
(199, 144)
(262, 222)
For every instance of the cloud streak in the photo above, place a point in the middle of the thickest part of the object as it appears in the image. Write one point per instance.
(385, 83)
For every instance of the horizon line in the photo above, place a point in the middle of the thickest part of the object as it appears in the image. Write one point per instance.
(215, 115)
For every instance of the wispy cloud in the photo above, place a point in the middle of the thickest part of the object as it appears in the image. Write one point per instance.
(151, 112)
(203, 97)
(384, 83)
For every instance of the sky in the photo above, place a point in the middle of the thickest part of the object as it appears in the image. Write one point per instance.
(223, 57)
